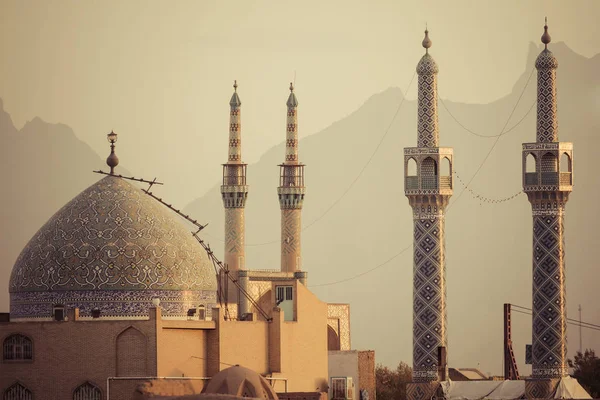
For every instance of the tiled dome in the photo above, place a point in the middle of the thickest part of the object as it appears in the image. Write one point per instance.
(113, 248)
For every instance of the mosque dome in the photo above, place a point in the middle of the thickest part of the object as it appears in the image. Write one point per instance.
(241, 382)
(114, 249)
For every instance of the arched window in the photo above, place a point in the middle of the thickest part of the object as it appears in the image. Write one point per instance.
(530, 164)
(446, 167)
(87, 391)
(17, 348)
(549, 163)
(17, 392)
(411, 167)
(565, 163)
(429, 174)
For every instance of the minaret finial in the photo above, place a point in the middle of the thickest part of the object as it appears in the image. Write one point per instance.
(235, 85)
(426, 41)
(291, 87)
(112, 161)
(546, 36)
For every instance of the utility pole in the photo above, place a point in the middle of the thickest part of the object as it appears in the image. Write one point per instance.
(580, 341)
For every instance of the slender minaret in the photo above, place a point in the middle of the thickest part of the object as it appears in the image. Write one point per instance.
(548, 180)
(234, 192)
(291, 192)
(428, 193)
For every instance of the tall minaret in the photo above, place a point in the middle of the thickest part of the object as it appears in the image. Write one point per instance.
(548, 180)
(234, 192)
(291, 192)
(428, 193)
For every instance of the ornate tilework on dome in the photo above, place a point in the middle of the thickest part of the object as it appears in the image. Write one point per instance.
(427, 65)
(111, 237)
(546, 60)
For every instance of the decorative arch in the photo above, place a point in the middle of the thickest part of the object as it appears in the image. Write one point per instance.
(333, 340)
(131, 351)
(549, 163)
(17, 391)
(446, 167)
(87, 391)
(530, 163)
(565, 163)
(17, 347)
(411, 167)
(429, 173)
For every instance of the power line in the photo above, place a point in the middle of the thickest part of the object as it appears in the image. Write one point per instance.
(495, 141)
(569, 321)
(476, 172)
(363, 273)
(355, 179)
(486, 136)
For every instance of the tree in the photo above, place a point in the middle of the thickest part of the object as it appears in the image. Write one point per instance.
(391, 384)
(586, 369)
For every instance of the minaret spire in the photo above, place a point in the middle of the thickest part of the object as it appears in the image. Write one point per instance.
(548, 181)
(234, 192)
(427, 126)
(428, 186)
(291, 192)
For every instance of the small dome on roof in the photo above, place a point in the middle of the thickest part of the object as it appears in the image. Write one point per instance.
(242, 382)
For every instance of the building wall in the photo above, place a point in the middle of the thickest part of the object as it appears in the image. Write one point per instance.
(342, 364)
(245, 343)
(366, 372)
(182, 352)
(304, 343)
(67, 354)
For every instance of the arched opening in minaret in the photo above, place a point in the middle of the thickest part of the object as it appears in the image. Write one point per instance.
(549, 169)
(566, 169)
(530, 163)
(412, 180)
(333, 340)
(429, 174)
(445, 173)
(565, 163)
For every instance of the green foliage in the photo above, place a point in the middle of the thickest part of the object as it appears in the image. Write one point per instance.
(391, 384)
(586, 369)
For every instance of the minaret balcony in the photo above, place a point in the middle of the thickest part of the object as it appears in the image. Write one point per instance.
(548, 167)
(428, 170)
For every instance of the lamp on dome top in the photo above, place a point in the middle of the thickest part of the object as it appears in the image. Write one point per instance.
(112, 159)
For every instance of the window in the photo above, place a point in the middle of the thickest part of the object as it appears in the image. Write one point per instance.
(17, 392)
(17, 347)
(87, 391)
(284, 293)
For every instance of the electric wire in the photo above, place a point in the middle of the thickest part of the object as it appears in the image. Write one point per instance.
(473, 177)
(360, 173)
(568, 321)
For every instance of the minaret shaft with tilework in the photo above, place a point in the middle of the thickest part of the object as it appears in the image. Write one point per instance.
(291, 192)
(428, 186)
(234, 192)
(548, 181)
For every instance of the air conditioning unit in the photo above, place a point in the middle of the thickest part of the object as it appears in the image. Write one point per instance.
(342, 388)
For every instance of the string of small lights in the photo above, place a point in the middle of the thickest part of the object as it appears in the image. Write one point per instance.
(483, 199)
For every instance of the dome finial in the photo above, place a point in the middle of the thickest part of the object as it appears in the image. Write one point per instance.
(291, 87)
(112, 161)
(235, 86)
(426, 41)
(546, 36)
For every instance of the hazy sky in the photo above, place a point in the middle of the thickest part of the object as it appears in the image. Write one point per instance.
(160, 73)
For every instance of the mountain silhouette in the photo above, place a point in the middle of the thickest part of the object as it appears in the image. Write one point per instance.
(488, 244)
(357, 218)
(45, 165)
